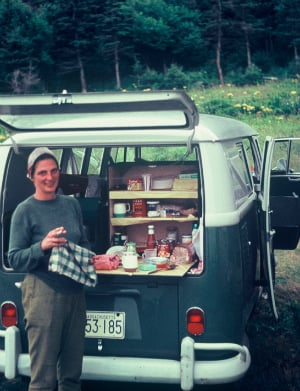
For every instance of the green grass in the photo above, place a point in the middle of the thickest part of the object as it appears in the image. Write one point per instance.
(270, 108)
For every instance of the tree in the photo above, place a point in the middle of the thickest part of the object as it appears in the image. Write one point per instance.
(212, 28)
(288, 26)
(161, 30)
(75, 25)
(24, 42)
(114, 36)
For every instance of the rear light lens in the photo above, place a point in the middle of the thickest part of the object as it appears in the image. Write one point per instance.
(9, 314)
(195, 321)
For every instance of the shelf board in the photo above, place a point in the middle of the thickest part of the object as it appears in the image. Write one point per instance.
(131, 195)
(123, 221)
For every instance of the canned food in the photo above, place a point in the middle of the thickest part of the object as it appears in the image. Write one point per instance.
(139, 208)
(163, 249)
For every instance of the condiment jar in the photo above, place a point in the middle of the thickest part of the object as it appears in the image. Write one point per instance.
(186, 239)
(153, 208)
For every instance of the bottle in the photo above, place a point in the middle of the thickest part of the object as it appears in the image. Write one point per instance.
(151, 241)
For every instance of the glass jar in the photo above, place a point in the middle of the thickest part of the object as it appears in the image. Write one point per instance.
(153, 208)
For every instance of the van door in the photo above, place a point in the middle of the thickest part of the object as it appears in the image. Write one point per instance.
(267, 233)
(280, 201)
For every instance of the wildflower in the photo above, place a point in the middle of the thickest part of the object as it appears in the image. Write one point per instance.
(293, 92)
(256, 93)
(230, 94)
(266, 109)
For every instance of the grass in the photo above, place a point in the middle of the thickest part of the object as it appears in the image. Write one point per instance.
(275, 345)
(271, 108)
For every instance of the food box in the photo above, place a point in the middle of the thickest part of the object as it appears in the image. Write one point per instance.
(185, 184)
(188, 175)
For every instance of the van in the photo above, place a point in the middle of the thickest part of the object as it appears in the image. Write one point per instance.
(213, 192)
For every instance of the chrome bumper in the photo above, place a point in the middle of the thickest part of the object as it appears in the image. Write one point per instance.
(187, 372)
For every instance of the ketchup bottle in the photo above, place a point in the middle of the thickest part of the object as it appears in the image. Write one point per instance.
(151, 241)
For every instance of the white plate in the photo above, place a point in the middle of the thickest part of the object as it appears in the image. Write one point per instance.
(115, 250)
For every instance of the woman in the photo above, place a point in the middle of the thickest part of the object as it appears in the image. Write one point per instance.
(54, 305)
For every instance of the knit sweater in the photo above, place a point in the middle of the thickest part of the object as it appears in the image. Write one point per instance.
(31, 222)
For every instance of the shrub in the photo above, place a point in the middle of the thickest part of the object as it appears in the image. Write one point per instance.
(251, 76)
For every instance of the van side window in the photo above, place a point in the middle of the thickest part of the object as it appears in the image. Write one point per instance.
(240, 175)
(286, 157)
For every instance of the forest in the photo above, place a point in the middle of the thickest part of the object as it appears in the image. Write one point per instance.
(96, 45)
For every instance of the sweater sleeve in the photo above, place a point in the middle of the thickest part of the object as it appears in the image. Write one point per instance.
(23, 255)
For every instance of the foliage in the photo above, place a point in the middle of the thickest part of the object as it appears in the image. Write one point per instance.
(267, 99)
(272, 107)
(25, 40)
(87, 45)
(251, 76)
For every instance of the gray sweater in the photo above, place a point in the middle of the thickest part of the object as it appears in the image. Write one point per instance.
(31, 222)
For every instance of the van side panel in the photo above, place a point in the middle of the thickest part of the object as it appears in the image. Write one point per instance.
(226, 291)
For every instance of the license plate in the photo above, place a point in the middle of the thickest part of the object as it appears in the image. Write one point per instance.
(101, 324)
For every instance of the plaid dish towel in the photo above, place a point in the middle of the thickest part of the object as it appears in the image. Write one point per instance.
(73, 261)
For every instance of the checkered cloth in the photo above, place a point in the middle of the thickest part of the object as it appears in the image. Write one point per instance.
(73, 261)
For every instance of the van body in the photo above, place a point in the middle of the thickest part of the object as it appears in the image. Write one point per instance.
(183, 326)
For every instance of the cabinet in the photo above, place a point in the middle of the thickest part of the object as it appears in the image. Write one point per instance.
(136, 227)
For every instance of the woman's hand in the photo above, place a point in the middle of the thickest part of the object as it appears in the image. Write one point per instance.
(54, 238)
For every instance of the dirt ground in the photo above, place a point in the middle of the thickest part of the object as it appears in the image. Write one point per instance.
(275, 345)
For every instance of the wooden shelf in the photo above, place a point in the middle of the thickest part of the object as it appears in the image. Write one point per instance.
(124, 221)
(154, 194)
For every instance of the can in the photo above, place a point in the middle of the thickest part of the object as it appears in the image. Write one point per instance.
(163, 249)
(139, 208)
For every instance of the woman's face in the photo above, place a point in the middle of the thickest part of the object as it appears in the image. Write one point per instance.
(45, 179)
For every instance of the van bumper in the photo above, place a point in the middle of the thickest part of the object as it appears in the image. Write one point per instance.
(187, 372)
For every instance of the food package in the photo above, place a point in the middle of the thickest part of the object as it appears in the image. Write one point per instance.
(181, 254)
(185, 184)
(106, 262)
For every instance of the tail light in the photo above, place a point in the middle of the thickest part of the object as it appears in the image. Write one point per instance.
(9, 314)
(195, 321)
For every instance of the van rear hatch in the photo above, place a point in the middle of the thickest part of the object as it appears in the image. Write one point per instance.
(96, 111)
(139, 318)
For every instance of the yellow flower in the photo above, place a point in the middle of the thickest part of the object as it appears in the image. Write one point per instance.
(230, 94)
(293, 92)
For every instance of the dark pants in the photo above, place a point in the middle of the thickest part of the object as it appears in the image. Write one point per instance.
(55, 326)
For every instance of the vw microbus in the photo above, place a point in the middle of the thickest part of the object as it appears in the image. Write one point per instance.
(183, 325)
